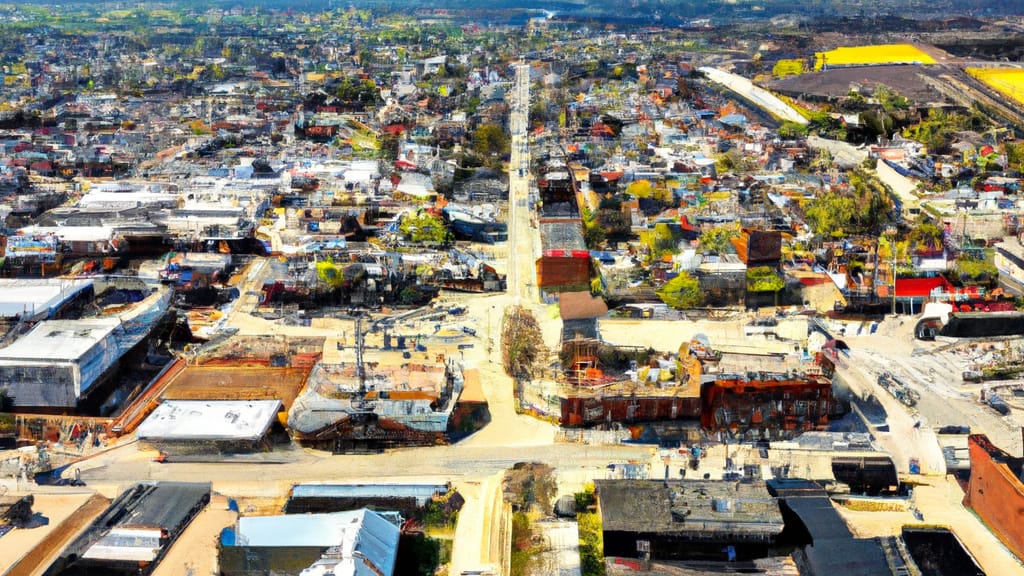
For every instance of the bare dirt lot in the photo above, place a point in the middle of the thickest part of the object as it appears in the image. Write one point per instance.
(25, 552)
(837, 82)
(196, 549)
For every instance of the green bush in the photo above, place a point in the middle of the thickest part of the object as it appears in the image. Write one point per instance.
(591, 544)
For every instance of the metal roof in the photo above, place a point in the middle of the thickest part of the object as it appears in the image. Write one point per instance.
(421, 492)
(355, 533)
(210, 420)
(834, 549)
(31, 297)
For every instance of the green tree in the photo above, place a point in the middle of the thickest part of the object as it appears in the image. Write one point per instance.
(593, 235)
(970, 270)
(764, 279)
(660, 241)
(830, 213)
(640, 189)
(591, 544)
(489, 140)
(422, 227)
(216, 72)
(1014, 155)
(339, 275)
(890, 100)
(926, 236)
(790, 129)
(718, 240)
(682, 292)
(614, 223)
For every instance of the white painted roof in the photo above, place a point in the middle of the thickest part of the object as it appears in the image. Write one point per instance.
(28, 297)
(209, 420)
(66, 340)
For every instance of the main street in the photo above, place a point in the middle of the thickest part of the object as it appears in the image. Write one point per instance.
(521, 238)
(127, 465)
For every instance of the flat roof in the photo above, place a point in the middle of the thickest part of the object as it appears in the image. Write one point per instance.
(699, 508)
(209, 420)
(834, 549)
(73, 233)
(165, 505)
(56, 340)
(139, 517)
(28, 297)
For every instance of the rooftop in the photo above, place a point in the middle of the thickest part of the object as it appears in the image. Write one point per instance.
(421, 492)
(27, 297)
(834, 550)
(701, 509)
(60, 340)
(357, 533)
(210, 420)
(142, 517)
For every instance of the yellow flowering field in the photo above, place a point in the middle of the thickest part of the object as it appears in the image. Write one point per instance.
(874, 54)
(1008, 81)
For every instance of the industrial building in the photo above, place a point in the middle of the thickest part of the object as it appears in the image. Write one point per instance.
(135, 532)
(58, 361)
(354, 543)
(34, 299)
(688, 519)
(210, 426)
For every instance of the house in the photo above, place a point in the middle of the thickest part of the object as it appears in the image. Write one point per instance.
(354, 543)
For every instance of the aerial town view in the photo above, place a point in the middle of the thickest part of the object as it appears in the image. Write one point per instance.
(511, 288)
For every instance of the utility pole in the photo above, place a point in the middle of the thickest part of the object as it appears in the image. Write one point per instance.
(891, 232)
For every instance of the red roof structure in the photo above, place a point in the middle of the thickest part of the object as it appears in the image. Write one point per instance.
(921, 287)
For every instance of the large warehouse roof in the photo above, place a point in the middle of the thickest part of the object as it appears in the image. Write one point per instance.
(57, 340)
(209, 420)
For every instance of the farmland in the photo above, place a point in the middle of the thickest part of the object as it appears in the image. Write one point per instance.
(1008, 81)
(872, 55)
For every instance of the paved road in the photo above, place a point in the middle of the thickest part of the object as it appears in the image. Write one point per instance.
(521, 237)
(755, 94)
(843, 153)
(561, 551)
(128, 465)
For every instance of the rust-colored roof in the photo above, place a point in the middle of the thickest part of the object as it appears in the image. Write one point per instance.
(580, 305)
